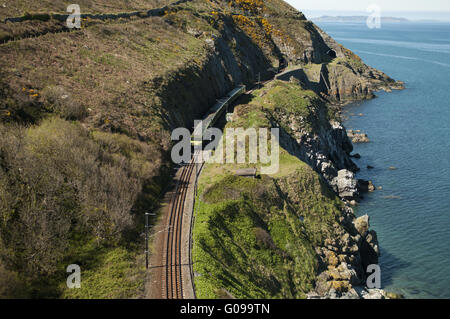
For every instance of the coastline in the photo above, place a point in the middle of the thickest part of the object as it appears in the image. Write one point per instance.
(351, 190)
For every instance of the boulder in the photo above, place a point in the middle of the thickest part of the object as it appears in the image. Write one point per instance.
(372, 240)
(365, 186)
(362, 225)
(365, 293)
(345, 184)
(374, 294)
(358, 137)
(369, 249)
(322, 284)
(348, 273)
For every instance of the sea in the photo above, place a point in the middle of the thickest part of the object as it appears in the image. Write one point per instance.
(409, 151)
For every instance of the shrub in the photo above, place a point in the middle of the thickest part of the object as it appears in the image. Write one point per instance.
(10, 285)
(61, 103)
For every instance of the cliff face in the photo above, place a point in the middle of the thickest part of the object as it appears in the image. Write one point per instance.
(316, 139)
(116, 88)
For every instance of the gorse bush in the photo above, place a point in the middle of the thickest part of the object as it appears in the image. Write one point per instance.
(61, 186)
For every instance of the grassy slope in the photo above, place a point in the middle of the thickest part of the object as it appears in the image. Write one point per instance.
(107, 69)
(111, 273)
(249, 240)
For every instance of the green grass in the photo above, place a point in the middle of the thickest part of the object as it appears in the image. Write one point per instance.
(289, 99)
(353, 60)
(108, 273)
(254, 117)
(227, 253)
(286, 95)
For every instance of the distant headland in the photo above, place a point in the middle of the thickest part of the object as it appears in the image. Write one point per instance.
(356, 19)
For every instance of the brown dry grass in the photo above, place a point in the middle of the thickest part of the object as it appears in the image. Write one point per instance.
(107, 68)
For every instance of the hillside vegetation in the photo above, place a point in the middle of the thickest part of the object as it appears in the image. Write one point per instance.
(252, 241)
(86, 117)
(67, 196)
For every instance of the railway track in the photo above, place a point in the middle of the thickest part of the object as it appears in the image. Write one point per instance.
(173, 282)
(263, 83)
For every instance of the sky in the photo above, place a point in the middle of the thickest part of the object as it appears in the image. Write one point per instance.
(412, 9)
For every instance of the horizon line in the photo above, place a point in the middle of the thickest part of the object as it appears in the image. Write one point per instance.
(409, 11)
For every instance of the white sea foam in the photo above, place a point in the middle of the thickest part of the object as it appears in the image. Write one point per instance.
(405, 57)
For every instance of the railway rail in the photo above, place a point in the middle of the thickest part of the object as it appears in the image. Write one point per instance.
(173, 288)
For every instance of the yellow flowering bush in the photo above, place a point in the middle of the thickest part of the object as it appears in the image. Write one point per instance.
(252, 6)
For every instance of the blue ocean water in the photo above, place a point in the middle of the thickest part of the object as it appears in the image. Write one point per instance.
(409, 130)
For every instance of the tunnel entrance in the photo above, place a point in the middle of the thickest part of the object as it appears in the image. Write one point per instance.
(332, 54)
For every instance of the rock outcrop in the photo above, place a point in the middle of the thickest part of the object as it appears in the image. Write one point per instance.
(358, 137)
(357, 292)
(366, 186)
(369, 245)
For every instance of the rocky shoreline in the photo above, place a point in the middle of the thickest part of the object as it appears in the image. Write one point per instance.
(353, 246)
(358, 137)
(346, 255)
